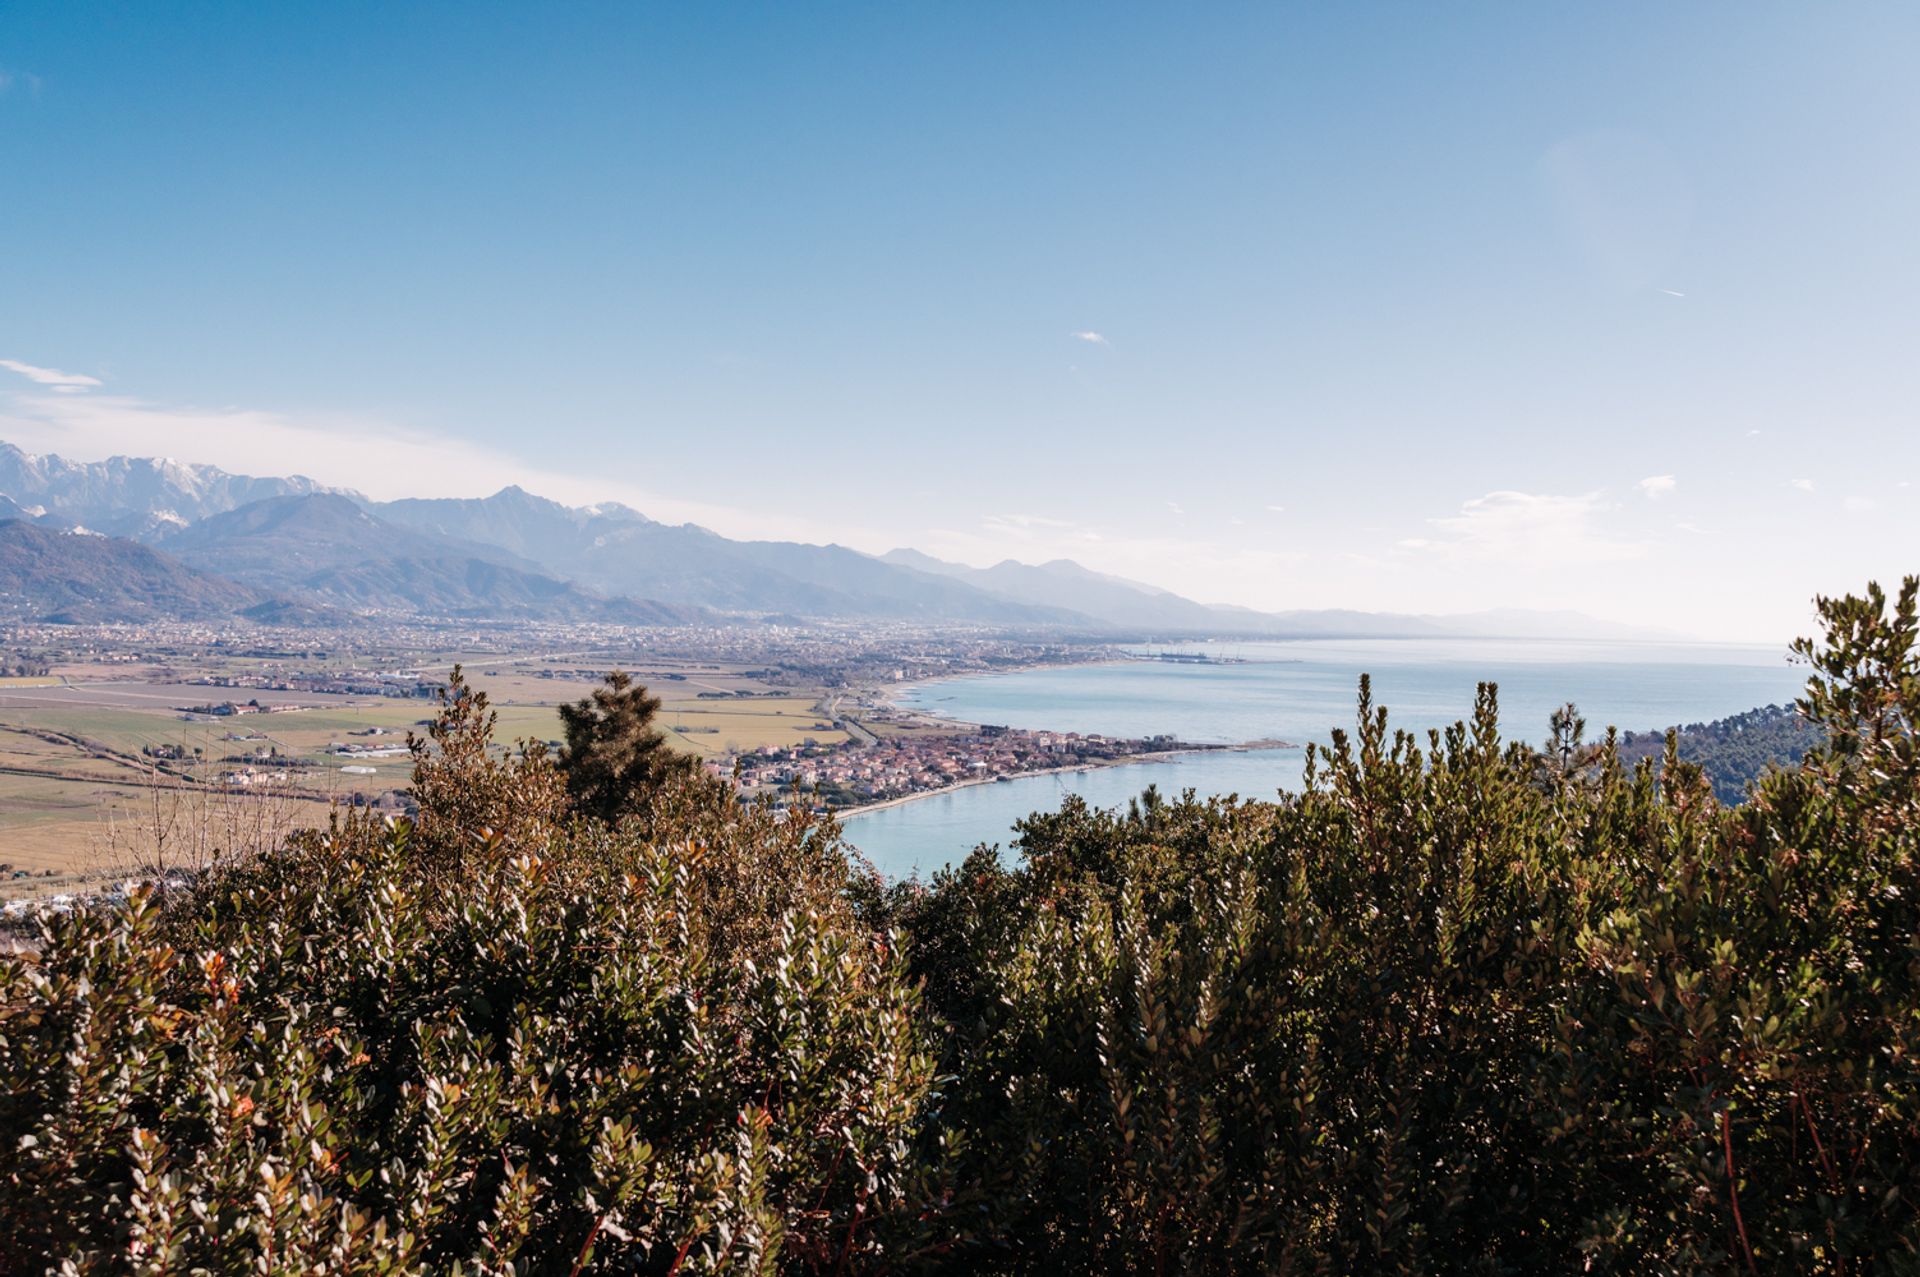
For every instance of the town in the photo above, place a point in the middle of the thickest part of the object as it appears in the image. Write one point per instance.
(858, 774)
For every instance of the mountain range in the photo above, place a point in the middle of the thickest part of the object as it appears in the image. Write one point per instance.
(67, 577)
(179, 539)
(133, 496)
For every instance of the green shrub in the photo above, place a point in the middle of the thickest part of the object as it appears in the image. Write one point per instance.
(587, 1048)
(1455, 1007)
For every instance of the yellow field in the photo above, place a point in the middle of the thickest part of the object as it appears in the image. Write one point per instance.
(54, 833)
(57, 799)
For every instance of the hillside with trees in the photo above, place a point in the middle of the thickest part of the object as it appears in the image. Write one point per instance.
(1457, 1006)
(1733, 752)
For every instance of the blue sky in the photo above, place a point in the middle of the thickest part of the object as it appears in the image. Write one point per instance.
(1404, 307)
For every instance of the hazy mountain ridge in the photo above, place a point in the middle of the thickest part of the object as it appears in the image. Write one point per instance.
(1137, 605)
(518, 554)
(617, 549)
(50, 574)
(1064, 583)
(333, 548)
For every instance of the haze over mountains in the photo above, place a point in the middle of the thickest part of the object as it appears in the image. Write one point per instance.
(149, 537)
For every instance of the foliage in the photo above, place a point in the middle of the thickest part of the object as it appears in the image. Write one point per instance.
(615, 758)
(468, 797)
(560, 1049)
(1455, 1007)
(1736, 751)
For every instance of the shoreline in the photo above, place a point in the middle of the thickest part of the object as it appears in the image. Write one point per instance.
(975, 781)
(1156, 756)
(888, 694)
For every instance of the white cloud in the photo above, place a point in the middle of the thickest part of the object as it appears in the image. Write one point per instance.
(1673, 293)
(63, 382)
(1177, 508)
(1096, 339)
(1805, 485)
(1656, 486)
(1277, 509)
(1529, 530)
(1022, 526)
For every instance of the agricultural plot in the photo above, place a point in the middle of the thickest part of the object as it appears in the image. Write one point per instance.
(77, 750)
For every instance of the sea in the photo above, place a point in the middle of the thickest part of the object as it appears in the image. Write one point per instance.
(1294, 692)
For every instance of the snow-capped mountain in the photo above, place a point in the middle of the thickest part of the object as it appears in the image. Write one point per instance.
(140, 497)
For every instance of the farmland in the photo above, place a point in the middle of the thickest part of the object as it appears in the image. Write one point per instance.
(116, 738)
(82, 751)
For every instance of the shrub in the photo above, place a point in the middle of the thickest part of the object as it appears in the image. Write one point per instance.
(1455, 1007)
(568, 1048)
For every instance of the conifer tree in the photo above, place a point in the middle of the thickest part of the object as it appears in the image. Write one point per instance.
(615, 760)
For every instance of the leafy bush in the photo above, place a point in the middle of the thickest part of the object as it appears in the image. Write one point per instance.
(1455, 1007)
(571, 1047)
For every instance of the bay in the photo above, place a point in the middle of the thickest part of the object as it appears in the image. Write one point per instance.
(1296, 692)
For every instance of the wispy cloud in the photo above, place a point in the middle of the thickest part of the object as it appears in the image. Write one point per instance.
(1529, 530)
(1804, 485)
(1022, 526)
(1673, 293)
(1656, 486)
(1097, 339)
(1277, 509)
(66, 383)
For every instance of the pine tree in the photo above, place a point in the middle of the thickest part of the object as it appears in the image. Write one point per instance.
(615, 760)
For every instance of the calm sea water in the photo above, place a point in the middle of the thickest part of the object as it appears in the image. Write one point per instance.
(1297, 692)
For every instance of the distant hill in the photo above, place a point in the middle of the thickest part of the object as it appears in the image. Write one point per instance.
(329, 547)
(1733, 752)
(1136, 606)
(1064, 583)
(134, 496)
(618, 550)
(1545, 624)
(64, 577)
(518, 555)
(11, 509)
(514, 520)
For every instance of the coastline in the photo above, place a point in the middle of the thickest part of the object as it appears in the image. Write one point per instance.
(1159, 756)
(1156, 756)
(889, 693)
